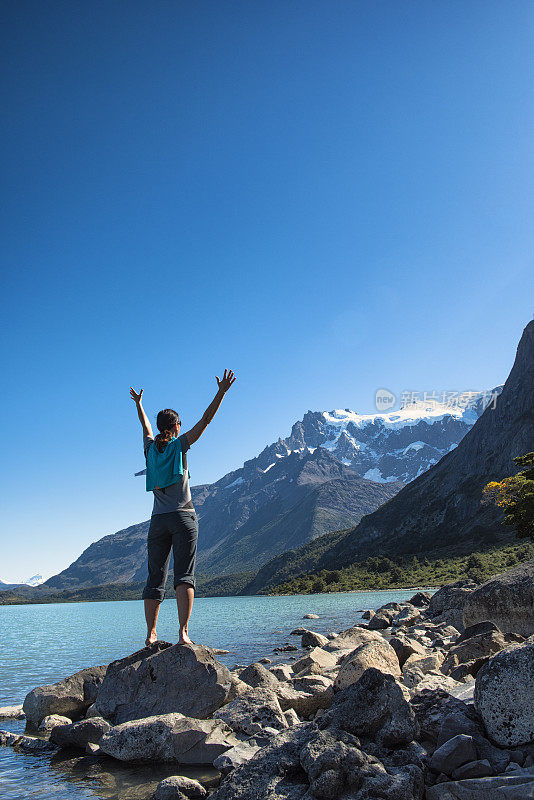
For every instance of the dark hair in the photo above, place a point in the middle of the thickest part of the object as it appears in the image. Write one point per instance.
(166, 420)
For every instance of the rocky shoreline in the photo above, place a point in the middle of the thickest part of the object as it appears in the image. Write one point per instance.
(430, 698)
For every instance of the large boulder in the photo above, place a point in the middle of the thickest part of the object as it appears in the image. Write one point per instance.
(185, 679)
(304, 762)
(379, 655)
(78, 734)
(504, 695)
(70, 697)
(251, 712)
(374, 707)
(507, 600)
(170, 738)
(516, 785)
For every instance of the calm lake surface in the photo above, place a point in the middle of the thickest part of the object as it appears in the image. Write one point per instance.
(43, 643)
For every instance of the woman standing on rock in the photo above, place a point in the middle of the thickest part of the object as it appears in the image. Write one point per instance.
(174, 523)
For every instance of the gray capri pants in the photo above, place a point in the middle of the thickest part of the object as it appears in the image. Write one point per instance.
(177, 530)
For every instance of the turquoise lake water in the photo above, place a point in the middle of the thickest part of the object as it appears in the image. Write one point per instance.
(41, 644)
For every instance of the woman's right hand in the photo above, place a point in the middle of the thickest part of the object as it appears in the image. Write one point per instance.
(136, 396)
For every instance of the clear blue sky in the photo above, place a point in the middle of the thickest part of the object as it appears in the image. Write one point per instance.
(327, 197)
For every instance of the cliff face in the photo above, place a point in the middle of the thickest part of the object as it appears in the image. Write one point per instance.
(443, 506)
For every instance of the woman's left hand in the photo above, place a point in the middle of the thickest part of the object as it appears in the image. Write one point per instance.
(227, 380)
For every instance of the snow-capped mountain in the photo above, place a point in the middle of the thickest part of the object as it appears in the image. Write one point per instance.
(384, 447)
(35, 580)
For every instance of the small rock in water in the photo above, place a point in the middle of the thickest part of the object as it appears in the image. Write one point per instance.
(298, 632)
(310, 616)
(12, 712)
(286, 648)
(264, 661)
(218, 651)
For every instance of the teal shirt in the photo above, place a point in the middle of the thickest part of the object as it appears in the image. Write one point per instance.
(164, 469)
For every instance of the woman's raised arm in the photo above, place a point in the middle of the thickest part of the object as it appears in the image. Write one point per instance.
(143, 419)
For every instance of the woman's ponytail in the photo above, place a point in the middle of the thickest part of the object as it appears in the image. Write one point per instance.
(166, 422)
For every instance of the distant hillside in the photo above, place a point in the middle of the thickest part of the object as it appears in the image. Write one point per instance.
(442, 508)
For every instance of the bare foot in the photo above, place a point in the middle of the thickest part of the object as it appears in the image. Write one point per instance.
(151, 638)
(184, 638)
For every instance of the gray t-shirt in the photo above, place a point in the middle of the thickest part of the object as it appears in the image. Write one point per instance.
(177, 496)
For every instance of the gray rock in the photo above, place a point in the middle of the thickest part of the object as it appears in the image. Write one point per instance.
(405, 647)
(451, 596)
(235, 756)
(78, 734)
(178, 786)
(426, 663)
(504, 695)
(451, 617)
(316, 660)
(310, 616)
(380, 620)
(12, 712)
(305, 704)
(420, 599)
(374, 707)
(453, 754)
(473, 651)
(476, 629)
(516, 786)
(351, 639)
(379, 655)
(473, 769)
(507, 600)
(298, 631)
(304, 763)
(169, 738)
(284, 672)
(292, 718)
(52, 721)
(251, 712)
(312, 639)
(258, 677)
(274, 772)
(431, 681)
(185, 679)
(27, 744)
(70, 697)
(367, 613)
(265, 661)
